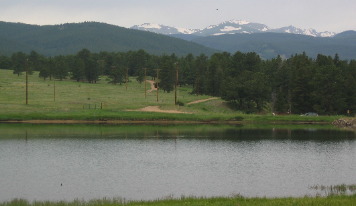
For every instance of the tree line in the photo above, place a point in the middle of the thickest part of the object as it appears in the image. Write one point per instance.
(299, 84)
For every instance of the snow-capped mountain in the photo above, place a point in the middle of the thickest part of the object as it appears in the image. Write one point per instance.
(308, 32)
(230, 27)
(162, 29)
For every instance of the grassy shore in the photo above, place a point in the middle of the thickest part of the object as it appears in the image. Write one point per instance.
(71, 100)
(228, 201)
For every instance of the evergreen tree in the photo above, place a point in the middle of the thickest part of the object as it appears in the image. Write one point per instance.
(137, 61)
(201, 67)
(19, 62)
(327, 94)
(215, 73)
(167, 73)
(349, 88)
(45, 70)
(90, 66)
(187, 71)
(60, 67)
(5, 62)
(36, 61)
(117, 74)
(301, 88)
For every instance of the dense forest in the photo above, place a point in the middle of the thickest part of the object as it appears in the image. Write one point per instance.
(299, 84)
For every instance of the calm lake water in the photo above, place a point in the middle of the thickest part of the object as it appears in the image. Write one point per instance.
(66, 162)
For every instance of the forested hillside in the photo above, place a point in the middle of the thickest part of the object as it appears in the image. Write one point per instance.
(299, 84)
(67, 39)
(269, 45)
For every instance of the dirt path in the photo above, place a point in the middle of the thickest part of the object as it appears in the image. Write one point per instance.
(152, 83)
(202, 100)
(157, 109)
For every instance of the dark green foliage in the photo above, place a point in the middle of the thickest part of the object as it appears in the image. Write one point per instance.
(215, 73)
(167, 72)
(201, 66)
(90, 65)
(60, 67)
(77, 67)
(245, 86)
(19, 62)
(187, 73)
(180, 103)
(117, 74)
(5, 62)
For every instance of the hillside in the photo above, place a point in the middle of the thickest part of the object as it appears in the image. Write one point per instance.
(269, 45)
(70, 38)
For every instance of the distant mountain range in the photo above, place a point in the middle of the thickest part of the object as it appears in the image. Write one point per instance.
(237, 35)
(231, 36)
(269, 45)
(229, 27)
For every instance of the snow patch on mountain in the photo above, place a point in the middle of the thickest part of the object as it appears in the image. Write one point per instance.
(218, 34)
(308, 32)
(265, 29)
(239, 22)
(327, 34)
(151, 26)
(186, 31)
(231, 28)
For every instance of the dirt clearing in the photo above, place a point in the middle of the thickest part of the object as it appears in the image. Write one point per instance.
(157, 109)
(202, 100)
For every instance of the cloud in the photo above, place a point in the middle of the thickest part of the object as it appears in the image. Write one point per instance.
(319, 14)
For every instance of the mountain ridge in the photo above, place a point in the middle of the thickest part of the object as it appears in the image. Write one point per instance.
(70, 38)
(269, 45)
(230, 27)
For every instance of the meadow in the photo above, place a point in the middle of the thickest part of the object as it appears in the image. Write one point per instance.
(71, 100)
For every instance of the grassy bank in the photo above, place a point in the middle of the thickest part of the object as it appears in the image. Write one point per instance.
(228, 201)
(70, 100)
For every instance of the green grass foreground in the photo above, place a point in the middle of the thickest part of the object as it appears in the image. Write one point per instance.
(217, 201)
(71, 100)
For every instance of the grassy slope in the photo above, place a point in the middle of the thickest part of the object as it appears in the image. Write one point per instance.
(317, 201)
(73, 100)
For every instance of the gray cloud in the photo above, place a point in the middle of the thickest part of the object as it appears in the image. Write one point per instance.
(319, 14)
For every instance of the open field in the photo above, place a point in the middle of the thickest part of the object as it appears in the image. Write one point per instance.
(70, 100)
(189, 201)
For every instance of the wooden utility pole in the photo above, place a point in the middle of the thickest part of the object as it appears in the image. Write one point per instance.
(144, 79)
(175, 85)
(26, 67)
(54, 89)
(127, 77)
(157, 70)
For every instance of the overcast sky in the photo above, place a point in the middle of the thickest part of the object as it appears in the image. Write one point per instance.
(322, 15)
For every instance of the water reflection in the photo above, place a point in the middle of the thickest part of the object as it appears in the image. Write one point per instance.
(213, 132)
(56, 162)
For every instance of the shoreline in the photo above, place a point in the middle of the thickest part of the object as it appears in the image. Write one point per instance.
(160, 122)
(114, 122)
(208, 201)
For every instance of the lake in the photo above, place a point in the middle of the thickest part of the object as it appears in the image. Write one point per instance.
(66, 162)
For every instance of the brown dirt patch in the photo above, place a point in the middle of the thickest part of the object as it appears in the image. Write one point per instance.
(202, 100)
(152, 83)
(157, 109)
